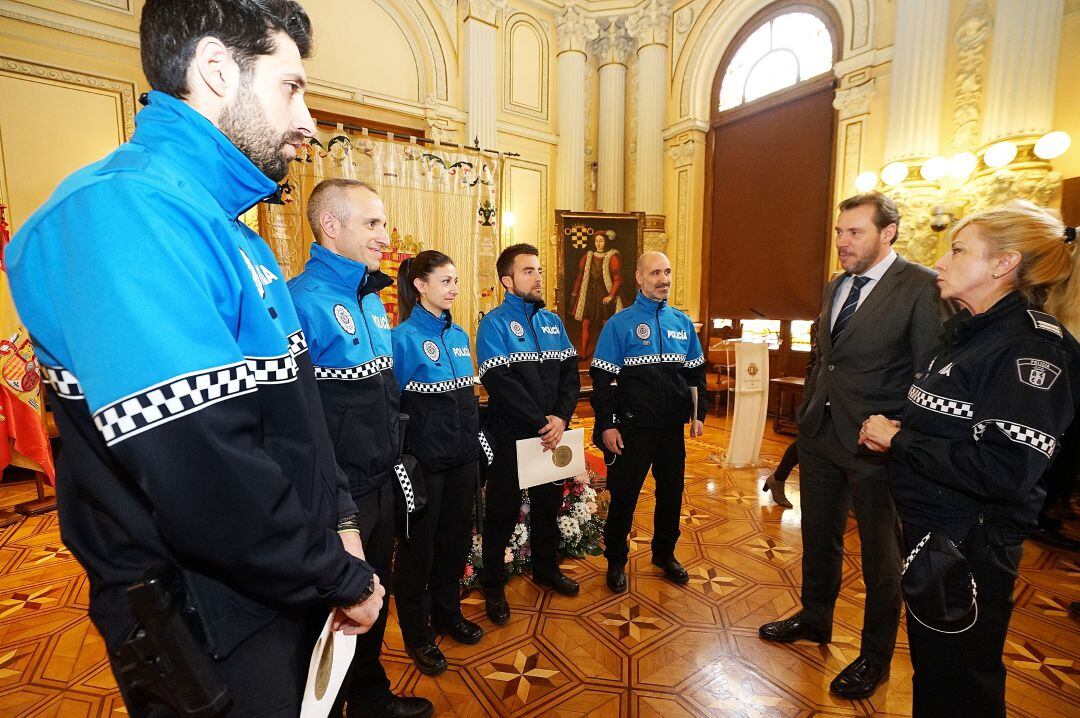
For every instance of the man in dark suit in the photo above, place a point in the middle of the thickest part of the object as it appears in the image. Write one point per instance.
(880, 318)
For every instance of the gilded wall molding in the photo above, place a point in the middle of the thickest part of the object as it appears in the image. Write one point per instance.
(972, 32)
(66, 23)
(547, 220)
(511, 24)
(124, 6)
(682, 22)
(856, 100)
(125, 91)
(574, 29)
(682, 236)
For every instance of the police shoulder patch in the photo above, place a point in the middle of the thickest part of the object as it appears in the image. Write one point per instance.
(431, 350)
(1037, 373)
(344, 318)
(1045, 322)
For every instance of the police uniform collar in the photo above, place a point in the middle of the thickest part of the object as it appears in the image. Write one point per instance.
(345, 271)
(516, 303)
(427, 320)
(171, 128)
(964, 322)
(649, 305)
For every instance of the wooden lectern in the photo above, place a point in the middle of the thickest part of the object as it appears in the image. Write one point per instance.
(751, 401)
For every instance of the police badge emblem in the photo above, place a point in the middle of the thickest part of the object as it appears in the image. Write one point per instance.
(517, 329)
(1037, 373)
(344, 318)
(643, 331)
(431, 350)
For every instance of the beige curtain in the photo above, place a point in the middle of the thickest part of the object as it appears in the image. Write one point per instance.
(436, 198)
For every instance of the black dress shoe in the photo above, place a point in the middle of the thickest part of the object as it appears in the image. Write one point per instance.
(428, 658)
(393, 707)
(616, 578)
(860, 679)
(558, 583)
(496, 607)
(794, 629)
(462, 630)
(673, 570)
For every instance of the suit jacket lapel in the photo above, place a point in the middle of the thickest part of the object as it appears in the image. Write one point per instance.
(878, 295)
(825, 337)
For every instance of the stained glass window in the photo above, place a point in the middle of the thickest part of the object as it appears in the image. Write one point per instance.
(784, 51)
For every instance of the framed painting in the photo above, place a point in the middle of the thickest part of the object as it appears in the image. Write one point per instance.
(596, 256)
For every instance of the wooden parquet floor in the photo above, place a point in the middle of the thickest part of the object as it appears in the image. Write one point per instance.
(658, 650)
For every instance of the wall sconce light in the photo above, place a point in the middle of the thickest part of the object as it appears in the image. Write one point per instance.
(934, 168)
(866, 181)
(1052, 144)
(508, 219)
(999, 154)
(943, 216)
(894, 173)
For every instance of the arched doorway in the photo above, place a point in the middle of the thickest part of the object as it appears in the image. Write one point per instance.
(768, 174)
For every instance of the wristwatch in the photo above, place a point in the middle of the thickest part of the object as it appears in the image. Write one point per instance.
(367, 592)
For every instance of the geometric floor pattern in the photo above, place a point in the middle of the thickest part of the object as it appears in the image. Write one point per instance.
(657, 650)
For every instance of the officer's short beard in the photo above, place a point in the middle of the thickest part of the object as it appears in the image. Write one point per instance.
(245, 124)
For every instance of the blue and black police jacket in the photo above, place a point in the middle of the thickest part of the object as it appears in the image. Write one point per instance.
(528, 366)
(182, 385)
(337, 301)
(434, 368)
(646, 359)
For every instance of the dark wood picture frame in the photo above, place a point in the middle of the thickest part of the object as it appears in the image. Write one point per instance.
(575, 236)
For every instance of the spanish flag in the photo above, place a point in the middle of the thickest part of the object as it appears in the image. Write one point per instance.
(24, 439)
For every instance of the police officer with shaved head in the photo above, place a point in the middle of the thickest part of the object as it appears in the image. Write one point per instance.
(648, 377)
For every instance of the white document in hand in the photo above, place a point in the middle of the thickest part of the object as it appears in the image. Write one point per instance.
(329, 661)
(536, 466)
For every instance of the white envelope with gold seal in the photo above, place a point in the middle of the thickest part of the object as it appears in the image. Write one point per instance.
(536, 466)
(329, 661)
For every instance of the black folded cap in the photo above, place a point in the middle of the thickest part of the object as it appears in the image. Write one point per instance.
(938, 586)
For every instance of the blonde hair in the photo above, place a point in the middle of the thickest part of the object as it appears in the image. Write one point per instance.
(1048, 274)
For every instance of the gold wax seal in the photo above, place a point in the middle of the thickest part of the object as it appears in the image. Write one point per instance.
(326, 663)
(561, 456)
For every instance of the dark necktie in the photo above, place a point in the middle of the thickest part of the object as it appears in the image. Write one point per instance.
(850, 305)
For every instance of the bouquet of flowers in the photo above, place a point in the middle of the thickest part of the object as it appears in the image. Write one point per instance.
(580, 526)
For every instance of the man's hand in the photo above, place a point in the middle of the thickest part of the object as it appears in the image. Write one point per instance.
(357, 619)
(613, 441)
(551, 432)
(877, 433)
(351, 541)
(606, 300)
(697, 428)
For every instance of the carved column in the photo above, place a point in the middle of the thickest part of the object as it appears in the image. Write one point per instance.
(612, 49)
(1023, 69)
(480, 62)
(573, 30)
(649, 27)
(918, 79)
(852, 103)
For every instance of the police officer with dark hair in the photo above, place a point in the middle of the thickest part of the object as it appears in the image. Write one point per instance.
(529, 369)
(337, 300)
(433, 364)
(968, 452)
(648, 380)
(191, 423)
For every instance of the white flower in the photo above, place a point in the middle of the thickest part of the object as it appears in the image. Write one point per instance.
(589, 494)
(580, 511)
(477, 544)
(569, 527)
(509, 556)
(519, 537)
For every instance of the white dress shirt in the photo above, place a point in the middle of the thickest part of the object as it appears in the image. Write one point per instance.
(874, 274)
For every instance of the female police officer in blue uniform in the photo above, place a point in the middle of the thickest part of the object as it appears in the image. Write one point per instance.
(982, 423)
(433, 365)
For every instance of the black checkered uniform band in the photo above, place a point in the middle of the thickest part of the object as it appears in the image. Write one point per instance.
(605, 366)
(1043, 443)
(521, 356)
(272, 370)
(63, 382)
(297, 343)
(172, 399)
(487, 448)
(940, 404)
(560, 355)
(655, 359)
(439, 387)
(695, 362)
(353, 373)
(406, 487)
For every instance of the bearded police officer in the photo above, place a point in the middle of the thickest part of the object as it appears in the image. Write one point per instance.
(648, 374)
